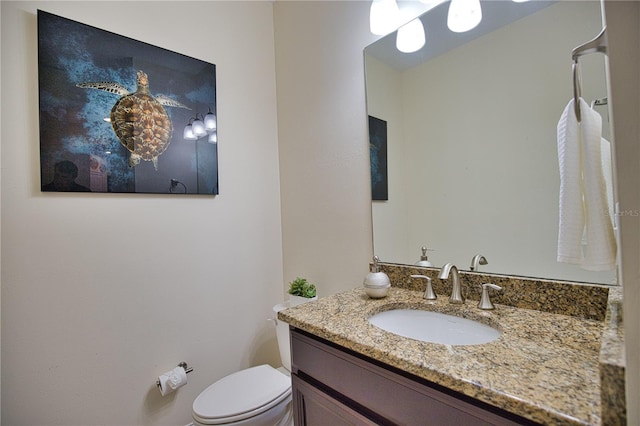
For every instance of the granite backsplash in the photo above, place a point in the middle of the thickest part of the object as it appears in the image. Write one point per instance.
(587, 301)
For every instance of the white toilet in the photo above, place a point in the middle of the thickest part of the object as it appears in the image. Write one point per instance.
(256, 396)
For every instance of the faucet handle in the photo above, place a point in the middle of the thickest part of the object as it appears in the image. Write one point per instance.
(485, 301)
(429, 294)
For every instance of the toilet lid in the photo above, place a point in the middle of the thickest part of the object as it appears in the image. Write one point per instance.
(243, 394)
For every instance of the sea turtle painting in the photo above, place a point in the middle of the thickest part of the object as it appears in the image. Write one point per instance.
(139, 119)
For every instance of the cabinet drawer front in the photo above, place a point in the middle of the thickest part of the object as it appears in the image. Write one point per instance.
(393, 397)
(314, 407)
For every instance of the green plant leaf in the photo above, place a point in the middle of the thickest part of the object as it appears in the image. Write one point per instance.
(301, 287)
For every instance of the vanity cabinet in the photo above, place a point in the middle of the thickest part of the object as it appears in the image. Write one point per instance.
(336, 386)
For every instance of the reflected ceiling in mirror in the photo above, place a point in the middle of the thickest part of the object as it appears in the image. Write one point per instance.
(472, 149)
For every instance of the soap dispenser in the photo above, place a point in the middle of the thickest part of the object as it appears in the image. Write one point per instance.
(423, 259)
(376, 283)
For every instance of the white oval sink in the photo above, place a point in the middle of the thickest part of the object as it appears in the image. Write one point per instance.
(434, 327)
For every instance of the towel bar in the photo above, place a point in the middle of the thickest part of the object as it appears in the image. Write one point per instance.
(598, 44)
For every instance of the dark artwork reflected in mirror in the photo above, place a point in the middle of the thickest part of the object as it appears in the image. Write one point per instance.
(113, 111)
(472, 136)
(378, 155)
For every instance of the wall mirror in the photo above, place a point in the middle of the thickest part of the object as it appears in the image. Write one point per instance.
(471, 122)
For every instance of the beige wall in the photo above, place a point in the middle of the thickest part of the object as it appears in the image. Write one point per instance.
(323, 142)
(96, 305)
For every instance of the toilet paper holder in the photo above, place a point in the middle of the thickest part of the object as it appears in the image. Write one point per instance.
(184, 365)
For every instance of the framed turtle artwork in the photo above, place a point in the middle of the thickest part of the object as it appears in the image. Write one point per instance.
(120, 115)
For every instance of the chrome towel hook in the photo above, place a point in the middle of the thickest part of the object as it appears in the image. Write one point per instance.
(598, 44)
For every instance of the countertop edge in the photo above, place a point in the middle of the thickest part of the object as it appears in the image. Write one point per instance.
(613, 363)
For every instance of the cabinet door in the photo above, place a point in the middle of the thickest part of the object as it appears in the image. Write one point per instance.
(311, 407)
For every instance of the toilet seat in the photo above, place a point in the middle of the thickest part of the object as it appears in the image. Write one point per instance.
(242, 395)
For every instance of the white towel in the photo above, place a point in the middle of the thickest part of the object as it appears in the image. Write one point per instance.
(584, 207)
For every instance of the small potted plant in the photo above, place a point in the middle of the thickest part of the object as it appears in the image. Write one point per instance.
(301, 291)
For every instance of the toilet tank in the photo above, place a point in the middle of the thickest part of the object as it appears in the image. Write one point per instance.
(282, 334)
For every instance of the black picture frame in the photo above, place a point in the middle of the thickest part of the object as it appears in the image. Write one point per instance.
(80, 150)
(378, 156)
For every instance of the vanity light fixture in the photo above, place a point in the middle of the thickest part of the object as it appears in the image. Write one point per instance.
(201, 126)
(410, 37)
(464, 15)
(383, 16)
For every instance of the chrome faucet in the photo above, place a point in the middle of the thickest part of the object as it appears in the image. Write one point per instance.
(456, 293)
(478, 259)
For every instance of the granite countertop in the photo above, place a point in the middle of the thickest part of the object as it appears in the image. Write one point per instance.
(544, 366)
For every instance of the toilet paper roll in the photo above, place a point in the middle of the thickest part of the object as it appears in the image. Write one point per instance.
(172, 380)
